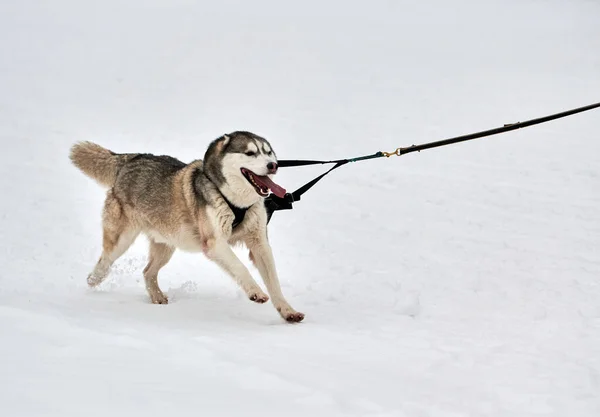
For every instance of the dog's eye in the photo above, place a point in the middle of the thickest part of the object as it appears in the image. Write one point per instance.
(250, 153)
(270, 153)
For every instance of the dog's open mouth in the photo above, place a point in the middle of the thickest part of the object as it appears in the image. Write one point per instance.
(263, 184)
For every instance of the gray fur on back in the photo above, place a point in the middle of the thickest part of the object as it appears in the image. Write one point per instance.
(146, 181)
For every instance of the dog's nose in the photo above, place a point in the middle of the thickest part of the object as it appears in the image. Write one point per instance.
(272, 167)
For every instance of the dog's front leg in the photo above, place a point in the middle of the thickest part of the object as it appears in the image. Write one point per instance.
(219, 251)
(262, 256)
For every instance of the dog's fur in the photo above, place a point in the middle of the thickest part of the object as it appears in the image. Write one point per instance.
(184, 206)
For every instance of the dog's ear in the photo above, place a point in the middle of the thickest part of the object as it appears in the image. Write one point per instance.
(220, 143)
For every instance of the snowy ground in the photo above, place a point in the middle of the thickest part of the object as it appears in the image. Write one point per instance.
(461, 281)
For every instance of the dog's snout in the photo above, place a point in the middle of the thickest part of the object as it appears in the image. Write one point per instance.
(272, 167)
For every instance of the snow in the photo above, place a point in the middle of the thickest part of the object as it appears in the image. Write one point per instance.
(460, 281)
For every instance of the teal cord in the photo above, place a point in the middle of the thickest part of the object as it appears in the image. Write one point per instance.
(362, 158)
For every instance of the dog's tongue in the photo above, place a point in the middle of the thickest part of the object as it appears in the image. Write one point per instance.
(268, 183)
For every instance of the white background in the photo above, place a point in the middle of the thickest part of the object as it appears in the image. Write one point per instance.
(460, 281)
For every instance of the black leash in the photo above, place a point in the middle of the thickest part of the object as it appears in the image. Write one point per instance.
(274, 203)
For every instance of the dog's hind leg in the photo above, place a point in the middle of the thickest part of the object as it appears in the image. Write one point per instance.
(118, 235)
(160, 254)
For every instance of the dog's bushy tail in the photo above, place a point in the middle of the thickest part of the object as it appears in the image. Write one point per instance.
(97, 162)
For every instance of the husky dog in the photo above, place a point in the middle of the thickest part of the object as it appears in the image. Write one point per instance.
(204, 206)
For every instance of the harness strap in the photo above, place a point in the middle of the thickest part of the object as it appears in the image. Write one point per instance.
(273, 203)
(238, 212)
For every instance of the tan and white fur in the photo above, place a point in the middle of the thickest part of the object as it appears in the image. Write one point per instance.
(183, 206)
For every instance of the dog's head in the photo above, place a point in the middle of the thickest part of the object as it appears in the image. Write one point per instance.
(242, 165)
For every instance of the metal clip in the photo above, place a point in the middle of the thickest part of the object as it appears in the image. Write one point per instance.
(388, 154)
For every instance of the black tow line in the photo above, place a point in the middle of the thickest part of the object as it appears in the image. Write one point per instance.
(274, 203)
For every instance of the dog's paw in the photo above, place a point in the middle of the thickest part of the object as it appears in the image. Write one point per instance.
(159, 298)
(290, 315)
(93, 280)
(259, 297)
(96, 277)
(294, 317)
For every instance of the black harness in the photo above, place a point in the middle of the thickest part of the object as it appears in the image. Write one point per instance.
(238, 212)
